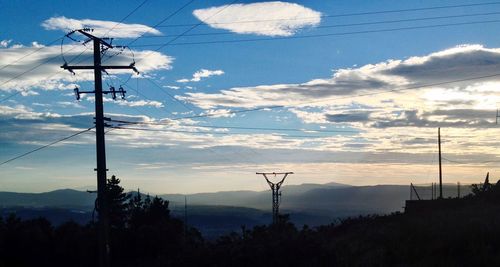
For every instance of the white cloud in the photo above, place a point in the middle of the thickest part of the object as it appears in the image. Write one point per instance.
(219, 113)
(141, 103)
(5, 43)
(203, 73)
(265, 18)
(392, 121)
(101, 28)
(452, 64)
(50, 76)
(66, 104)
(128, 103)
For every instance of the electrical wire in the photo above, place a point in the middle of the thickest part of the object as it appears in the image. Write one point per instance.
(469, 163)
(31, 53)
(156, 25)
(45, 146)
(163, 20)
(50, 59)
(336, 15)
(205, 133)
(167, 93)
(343, 97)
(352, 14)
(162, 45)
(348, 24)
(47, 78)
(188, 30)
(240, 128)
(278, 38)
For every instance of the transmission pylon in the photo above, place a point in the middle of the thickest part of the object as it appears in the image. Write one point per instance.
(102, 205)
(275, 189)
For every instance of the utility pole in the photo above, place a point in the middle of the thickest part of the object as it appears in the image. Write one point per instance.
(185, 217)
(102, 202)
(275, 189)
(440, 167)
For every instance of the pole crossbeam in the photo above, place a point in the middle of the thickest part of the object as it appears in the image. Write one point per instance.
(102, 200)
(79, 67)
(275, 189)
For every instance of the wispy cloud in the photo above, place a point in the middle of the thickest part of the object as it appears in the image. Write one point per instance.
(5, 43)
(448, 65)
(203, 73)
(128, 103)
(265, 18)
(101, 28)
(52, 77)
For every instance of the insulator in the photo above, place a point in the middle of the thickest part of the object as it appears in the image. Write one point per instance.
(77, 93)
(113, 92)
(122, 92)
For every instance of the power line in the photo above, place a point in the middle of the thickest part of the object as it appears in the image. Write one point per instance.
(240, 128)
(129, 14)
(163, 20)
(31, 53)
(337, 98)
(163, 45)
(50, 59)
(47, 145)
(344, 97)
(188, 30)
(349, 14)
(169, 94)
(348, 24)
(208, 148)
(280, 38)
(156, 25)
(469, 163)
(47, 78)
(160, 45)
(262, 39)
(206, 133)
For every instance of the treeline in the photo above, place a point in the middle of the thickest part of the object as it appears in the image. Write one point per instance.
(144, 234)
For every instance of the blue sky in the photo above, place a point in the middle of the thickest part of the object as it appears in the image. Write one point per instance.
(353, 87)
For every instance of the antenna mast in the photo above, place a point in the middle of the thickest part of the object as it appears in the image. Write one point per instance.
(275, 189)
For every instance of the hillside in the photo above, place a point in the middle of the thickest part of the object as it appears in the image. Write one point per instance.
(221, 212)
(64, 198)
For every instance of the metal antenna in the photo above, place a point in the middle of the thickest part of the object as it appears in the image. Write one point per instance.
(102, 202)
(275, 189)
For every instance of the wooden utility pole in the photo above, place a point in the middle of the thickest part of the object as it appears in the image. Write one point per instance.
(440, 167)
(102, 200)
(275, 189)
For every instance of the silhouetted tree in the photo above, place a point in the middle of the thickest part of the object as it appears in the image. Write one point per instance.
(117, 203)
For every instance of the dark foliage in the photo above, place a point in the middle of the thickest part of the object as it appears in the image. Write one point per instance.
(142, 230)
(117, 203)
(144, 234)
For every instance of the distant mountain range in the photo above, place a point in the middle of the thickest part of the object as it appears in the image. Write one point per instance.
(63, 198)
(216, 213)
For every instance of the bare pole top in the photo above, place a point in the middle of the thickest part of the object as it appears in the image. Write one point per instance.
(84, 32)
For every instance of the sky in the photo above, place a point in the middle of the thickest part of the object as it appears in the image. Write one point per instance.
(335, 91)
